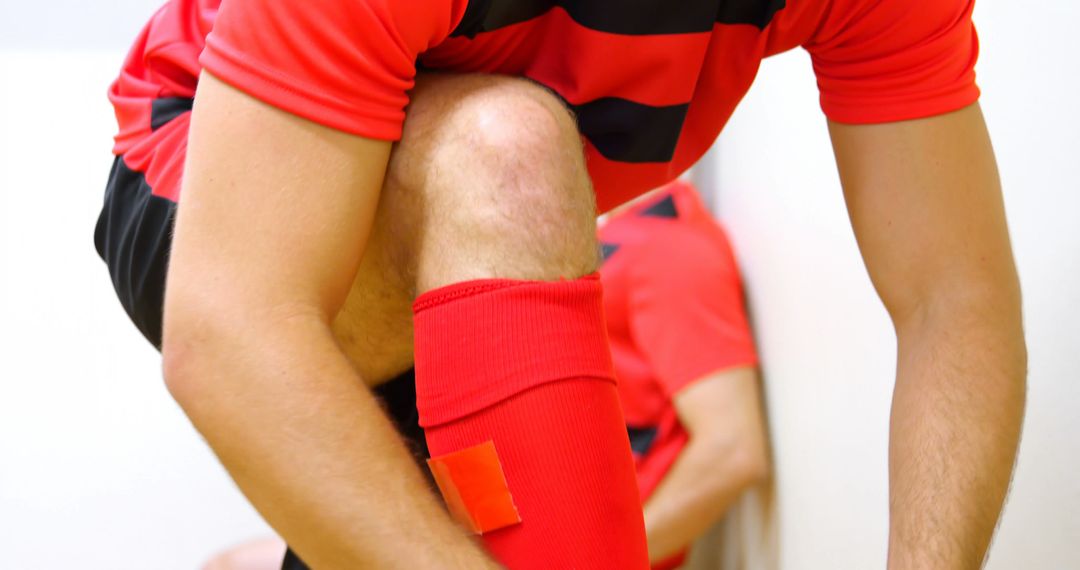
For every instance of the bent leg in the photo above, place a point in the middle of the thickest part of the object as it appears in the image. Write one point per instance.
(488, 181)
(488, 213)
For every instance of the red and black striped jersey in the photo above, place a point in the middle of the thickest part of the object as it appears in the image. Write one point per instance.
(652, 81)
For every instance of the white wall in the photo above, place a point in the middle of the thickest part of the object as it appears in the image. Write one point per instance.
(72, 24)
(100, 471)
(98, 467)
(827, 344)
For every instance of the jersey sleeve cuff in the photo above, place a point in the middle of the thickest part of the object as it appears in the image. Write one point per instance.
(861, 112)
(700, 370)
(375, 121)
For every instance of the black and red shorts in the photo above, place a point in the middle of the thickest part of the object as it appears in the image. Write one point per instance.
(134, 236)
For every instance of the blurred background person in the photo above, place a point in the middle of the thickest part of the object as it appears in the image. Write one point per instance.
(686, 365)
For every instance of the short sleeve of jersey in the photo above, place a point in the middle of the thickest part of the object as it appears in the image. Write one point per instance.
(880, 61)
(686, 310)
(346, 64)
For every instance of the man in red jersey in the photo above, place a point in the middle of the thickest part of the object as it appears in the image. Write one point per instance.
(686, 365)
(313, 258)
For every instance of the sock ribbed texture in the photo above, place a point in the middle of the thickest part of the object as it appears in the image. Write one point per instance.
(526, 365)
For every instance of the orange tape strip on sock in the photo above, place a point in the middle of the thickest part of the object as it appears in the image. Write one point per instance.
(524, 367)
(474, 487)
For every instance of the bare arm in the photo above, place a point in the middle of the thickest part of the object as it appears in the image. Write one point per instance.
(925, 201)
(727, 453)
(275, 214)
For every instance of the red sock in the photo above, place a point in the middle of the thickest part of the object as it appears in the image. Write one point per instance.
(526, 365)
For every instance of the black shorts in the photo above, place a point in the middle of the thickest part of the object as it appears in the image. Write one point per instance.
(133, 236)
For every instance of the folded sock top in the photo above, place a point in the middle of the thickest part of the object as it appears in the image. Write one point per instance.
(502, 337)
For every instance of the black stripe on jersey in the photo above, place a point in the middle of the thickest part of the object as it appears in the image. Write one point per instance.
(641, 438)
(754, 12)
(625, 131)
(663, 209)
(607, 250)
(643, 17)
(488, 15)
(625, 17)
(166, 109)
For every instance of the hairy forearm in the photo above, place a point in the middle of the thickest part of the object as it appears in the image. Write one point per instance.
(703, 482)
(310, 447)
(957, 413)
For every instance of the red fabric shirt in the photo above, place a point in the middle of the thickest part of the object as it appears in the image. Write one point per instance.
(652, 83)
(674, 307)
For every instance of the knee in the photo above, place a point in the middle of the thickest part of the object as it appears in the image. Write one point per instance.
(491, 123)
(497, 167)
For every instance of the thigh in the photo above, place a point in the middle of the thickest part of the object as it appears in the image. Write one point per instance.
(374, 327)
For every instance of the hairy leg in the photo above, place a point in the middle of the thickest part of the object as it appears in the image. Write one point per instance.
(488, 181)
(487, 214)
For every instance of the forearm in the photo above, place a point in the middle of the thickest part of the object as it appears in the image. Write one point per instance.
(957, 413)
(701, 485)
(310, 447)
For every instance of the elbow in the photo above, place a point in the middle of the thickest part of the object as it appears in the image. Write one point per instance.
(975, 334)
(738, 463)
(975, 313)
(196, 353)
(969, 301)
(182, 360)
(217, 349)
(199, 334)
(751, 465)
